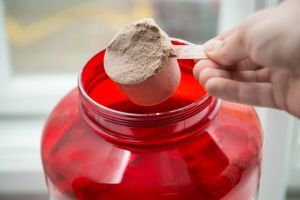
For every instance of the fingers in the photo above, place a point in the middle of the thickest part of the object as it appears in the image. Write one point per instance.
(247, 64)
(259, 94)
(262, 75)
(224, 35)
(202, 64)
(243, 86)
(206, 69)
(227, 51)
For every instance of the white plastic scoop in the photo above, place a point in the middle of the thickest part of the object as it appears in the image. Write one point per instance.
(142, 61)
(164, 83)
(190, 51)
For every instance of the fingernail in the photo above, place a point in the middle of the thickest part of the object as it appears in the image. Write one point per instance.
(213, 46)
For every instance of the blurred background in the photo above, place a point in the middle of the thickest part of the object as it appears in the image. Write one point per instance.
(43, 46)
(59, 37)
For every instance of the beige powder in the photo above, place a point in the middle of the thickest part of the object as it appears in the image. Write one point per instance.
(137, 52)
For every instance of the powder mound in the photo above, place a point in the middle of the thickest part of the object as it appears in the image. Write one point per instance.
(137, 52)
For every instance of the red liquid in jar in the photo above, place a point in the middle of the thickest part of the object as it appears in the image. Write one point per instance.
(220, 163)
(107, 93)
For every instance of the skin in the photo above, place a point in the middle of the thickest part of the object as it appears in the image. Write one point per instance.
(258, 61)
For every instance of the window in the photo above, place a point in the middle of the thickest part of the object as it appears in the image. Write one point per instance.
(59, 37)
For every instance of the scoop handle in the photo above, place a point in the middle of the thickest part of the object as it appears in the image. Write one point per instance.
(190, 51)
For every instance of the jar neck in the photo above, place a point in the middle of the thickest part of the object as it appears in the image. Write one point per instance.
(148, 129)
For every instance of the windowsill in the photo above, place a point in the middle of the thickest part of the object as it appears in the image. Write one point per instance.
(34, 94)
(20, 163)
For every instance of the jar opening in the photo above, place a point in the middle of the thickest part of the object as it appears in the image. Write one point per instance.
(103, 93)
(111, 114)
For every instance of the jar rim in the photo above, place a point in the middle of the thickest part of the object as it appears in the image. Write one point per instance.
(140, 115)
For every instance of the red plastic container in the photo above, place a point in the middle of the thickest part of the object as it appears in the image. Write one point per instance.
(98, 145)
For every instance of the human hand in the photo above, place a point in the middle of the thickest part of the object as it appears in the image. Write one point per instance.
(257, 62)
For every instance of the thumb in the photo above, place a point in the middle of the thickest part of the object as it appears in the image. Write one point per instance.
(228, 51)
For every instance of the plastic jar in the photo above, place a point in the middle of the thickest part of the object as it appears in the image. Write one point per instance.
(96, 144)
